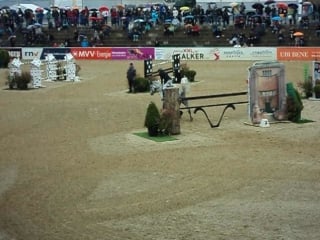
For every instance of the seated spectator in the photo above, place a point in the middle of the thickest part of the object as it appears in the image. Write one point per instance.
(304, 22)
(134, 35)
(259, 30)
(195, 30)
(234, 41)
(168, 30)
(318, 30)
(75, 34)
(106, 30)
(12, 40)
(252, 39)
(280, 37)
(187, 29)
(299, 41)
(1, 31)
(156, 43)
(216, 30)
(147, 27)
(291, 36)
(275, 28)
(85, 42)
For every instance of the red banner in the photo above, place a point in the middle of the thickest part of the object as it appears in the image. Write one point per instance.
(91, 53)
(298, 53)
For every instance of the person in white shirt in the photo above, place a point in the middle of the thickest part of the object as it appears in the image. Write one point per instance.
(105, 15)
(175, 12)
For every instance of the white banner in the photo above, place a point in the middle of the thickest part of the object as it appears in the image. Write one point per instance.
(216, 54)
(31, 53)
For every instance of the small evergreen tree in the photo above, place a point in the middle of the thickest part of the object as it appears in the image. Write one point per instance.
(4, 58)
(152, 119)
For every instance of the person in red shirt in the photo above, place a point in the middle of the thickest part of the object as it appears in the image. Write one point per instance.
(195, 30)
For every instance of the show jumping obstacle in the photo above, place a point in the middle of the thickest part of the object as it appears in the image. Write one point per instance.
(54, 70)
(229, 104)
(62, 69)
(175, 68)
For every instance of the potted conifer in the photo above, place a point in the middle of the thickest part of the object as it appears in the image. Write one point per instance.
(4, 58)
(152, 119)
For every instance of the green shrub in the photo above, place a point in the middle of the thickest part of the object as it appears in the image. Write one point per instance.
(190, 75)
(4, 58)
(185, 71)
(294, 103)
(306, 87)
(152, 119)
(141, 85)
(20, 81)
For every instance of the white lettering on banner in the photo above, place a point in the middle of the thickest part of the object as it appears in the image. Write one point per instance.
(86, 54)
(294, 54)
(248, 53)
(31, 53)
(259, 53)
(191, 56)
(14, 54)
(235, 53)
(91, 54)
(190, 53)
(105, 55)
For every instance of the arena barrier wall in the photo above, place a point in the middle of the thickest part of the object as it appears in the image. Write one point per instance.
(163, 54)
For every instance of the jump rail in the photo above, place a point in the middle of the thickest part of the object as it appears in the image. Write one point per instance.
(227, 105)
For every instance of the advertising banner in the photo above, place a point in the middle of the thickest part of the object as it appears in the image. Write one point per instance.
(14, 52)
(102, 53)
(248, 53)
(133, 53)
(91, 53)
(58, 53)
(215, 54)
(31, 53)
(298, 54)
(192, 54)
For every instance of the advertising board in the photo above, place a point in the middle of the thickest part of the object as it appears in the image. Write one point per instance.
(14, 52)
(298, 53)
(31, 53)
(215, 54)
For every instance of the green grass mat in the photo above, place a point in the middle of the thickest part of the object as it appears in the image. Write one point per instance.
(160, 138)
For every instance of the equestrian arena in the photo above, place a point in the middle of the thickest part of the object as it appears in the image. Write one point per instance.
(71, 167)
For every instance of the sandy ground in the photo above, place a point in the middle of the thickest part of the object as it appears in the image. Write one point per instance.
(70, 167)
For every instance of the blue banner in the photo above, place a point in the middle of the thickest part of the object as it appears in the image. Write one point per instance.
(58, 53)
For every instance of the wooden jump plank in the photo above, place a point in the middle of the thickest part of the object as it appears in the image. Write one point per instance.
(214, 105)
(215, 96)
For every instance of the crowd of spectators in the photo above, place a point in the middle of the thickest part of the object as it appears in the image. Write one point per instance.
(135, 21)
